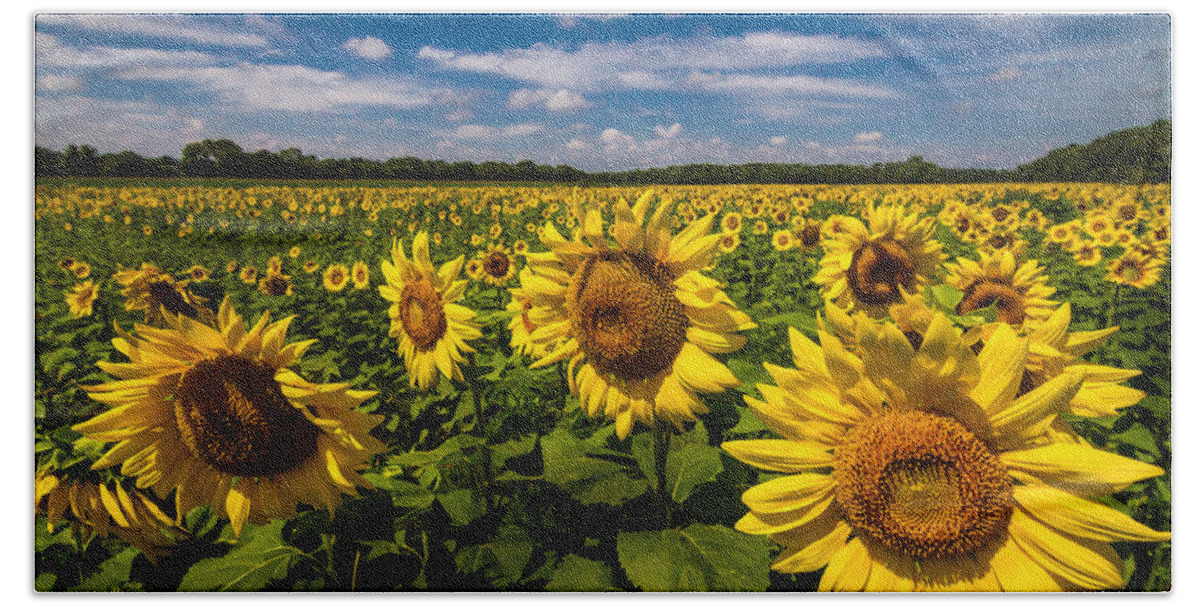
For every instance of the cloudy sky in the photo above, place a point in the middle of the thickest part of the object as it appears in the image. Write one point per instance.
(603, 91)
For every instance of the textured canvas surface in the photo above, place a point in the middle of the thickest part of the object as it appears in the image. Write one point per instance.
(788, 302)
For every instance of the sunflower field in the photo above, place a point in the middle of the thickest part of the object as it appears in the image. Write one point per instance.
(387, 386)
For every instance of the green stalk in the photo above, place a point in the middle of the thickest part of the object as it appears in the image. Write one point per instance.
(661, 441)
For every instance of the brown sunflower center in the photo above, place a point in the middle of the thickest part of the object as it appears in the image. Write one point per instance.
(810, 236)
(422, 313)
(1127, 212)
(167, 295)
(231, 414)
(276, 285)
(626, 315)
(922, 485)
(878, 270)
(1010, 304)
(1129, 270)
(496, 264)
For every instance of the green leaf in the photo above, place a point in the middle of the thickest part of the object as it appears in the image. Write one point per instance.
(575, 573)
(697, 558)
(502, 559)
(569, 463)
(113, 572)
(944, 297)
(805, 322)
(511, 449)
(54, 359)
(1141, 438)
(405, 494)
(45, 581)
(463, 506)
(747, 423)
(750, 374)
(691, 462)
(260, 557)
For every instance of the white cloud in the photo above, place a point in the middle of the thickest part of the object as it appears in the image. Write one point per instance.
(210, 31)
(561, 100)
(868, 137)
(662, 61)
(577, 144)
(668, 132)
(739, 83)
(141, 126)
(295, 88)
(1008, 73)
(369, 47)
(59, 83)
(490, 132)
(614, 139)
(778, 140)
(50, 52)
(460, 115)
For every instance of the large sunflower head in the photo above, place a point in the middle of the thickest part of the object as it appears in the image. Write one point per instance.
(919, 469)
(155, 292)
(869, 267)
(217, 415)
(275, 284)
(1019, 293)
(636, 318)
(433, 330)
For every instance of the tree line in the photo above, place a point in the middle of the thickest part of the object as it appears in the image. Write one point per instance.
(1134, 155)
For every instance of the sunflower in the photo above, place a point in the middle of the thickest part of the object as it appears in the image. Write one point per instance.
(521, 325)
(198, 273)
(216, 415)
(153, 291)
(868, 269)
(67, 263)
(729, 242)
(311, 266)
(919, 470)
(274, 265)
(1087, 253)
(1019, 293)
(1054, 351)
(104, 509)
(808, 235)
(1135, 269)
(731, 223)
(81, 298)
(81, 270)
(474, 269)
(360, 275)
(637, 322)
(432, 329)
(782, 240)
(275, 284)
(294, 252)
(336, 276)
(231, 266)
(497, 265)
(248, 275)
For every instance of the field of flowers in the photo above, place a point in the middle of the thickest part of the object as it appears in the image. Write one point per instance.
(300, 386)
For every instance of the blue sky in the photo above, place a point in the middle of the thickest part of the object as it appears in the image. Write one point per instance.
(603, 91)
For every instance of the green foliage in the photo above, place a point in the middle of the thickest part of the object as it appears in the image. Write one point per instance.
(259, 557)
(696, 558)
(588, 471)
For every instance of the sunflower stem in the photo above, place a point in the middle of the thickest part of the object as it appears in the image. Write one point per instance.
(1113, 317)
(661, 440)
